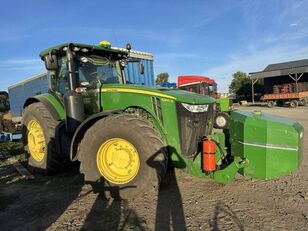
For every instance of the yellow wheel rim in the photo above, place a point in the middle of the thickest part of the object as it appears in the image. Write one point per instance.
(118, 161)
(36, 140)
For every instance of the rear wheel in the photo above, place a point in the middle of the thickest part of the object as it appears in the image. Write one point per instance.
(38, 132)
(293, 103)
(221, 120)
(122, 156)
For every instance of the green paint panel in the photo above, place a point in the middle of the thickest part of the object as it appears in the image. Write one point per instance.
(271, 144)
(224, 104)
(55, 103)
(116, 96)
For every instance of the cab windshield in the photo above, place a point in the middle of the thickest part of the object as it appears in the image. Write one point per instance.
(98, 70)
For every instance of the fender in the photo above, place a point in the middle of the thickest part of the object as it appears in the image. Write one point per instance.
(53, 105)
(83, 127)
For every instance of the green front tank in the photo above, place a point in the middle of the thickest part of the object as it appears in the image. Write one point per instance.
(271, 145)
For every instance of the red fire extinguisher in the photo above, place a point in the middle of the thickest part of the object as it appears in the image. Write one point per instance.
(208, 157)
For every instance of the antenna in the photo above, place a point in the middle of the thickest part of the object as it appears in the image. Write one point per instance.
(115, 38)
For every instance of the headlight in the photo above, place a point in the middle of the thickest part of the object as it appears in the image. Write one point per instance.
(196, 108)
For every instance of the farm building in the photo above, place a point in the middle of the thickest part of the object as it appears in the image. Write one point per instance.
(283, 82)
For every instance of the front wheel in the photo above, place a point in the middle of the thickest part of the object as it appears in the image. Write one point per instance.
(122, 156)
(221, 120)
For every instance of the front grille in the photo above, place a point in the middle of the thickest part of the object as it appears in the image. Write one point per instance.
(193, 126)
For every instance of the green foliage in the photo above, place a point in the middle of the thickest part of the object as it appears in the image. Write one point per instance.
(14, 148)
(162, 78)
(4, 103)
(239, 80)
(241, 85)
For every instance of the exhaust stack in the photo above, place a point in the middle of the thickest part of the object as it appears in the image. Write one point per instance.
(73, 101)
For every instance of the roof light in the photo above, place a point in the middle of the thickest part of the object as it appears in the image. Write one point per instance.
(104, 44)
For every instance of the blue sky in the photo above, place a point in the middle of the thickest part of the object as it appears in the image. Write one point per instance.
(211, 38)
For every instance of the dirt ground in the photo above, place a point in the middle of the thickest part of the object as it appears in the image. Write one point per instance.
(183, 202)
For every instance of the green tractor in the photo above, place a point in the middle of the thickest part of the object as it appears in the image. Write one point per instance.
(124, 135)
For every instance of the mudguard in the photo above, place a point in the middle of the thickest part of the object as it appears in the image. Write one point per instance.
(83, 127)
(54, 106)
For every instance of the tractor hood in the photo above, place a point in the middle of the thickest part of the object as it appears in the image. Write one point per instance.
(167, 93)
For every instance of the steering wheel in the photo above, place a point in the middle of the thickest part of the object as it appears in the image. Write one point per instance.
(97, 78)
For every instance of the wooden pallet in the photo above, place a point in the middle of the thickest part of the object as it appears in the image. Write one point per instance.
(16, 164)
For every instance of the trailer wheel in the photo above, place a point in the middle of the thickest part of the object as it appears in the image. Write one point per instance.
(302, 102)
(38, 132)
(122, 156)
(270, 104)
(293, 103)
(221, 120)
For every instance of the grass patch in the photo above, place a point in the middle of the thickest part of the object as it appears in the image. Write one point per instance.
(14, 148)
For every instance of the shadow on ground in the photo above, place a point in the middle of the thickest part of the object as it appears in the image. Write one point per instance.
(223, 214)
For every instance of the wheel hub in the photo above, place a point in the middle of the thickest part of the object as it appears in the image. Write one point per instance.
(36, 140)
(118, 161)
(221, 121)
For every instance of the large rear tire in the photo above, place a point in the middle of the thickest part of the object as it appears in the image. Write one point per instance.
(38, 132)
(122, 156)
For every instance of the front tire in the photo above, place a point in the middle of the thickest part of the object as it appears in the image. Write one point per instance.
(221, 120)
(38, 132)
(122, 156)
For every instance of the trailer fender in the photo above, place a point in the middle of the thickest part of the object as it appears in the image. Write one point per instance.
(83, 127)
(53, 105)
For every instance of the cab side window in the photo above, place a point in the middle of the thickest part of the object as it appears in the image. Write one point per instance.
(62, 85)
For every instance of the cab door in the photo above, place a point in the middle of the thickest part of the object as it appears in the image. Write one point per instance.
(90, 87)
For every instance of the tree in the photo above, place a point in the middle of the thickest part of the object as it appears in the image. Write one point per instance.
(162, 78)
(241, 85)
(239, 80)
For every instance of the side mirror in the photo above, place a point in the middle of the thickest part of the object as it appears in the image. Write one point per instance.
(51, 62)
(141, 68)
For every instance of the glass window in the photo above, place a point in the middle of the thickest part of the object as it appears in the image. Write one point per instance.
(59, 81)
(98, 70)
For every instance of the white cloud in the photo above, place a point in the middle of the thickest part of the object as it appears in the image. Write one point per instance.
(183, 56)
(293, 24)
(33, 64)
(254, 61)
(21, 61)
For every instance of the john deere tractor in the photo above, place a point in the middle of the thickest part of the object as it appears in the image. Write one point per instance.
(124, 135)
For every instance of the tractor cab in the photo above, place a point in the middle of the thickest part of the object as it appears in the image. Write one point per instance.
(85, 69)
(198, 84)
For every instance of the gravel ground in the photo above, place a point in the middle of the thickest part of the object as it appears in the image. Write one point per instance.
(183, 202)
